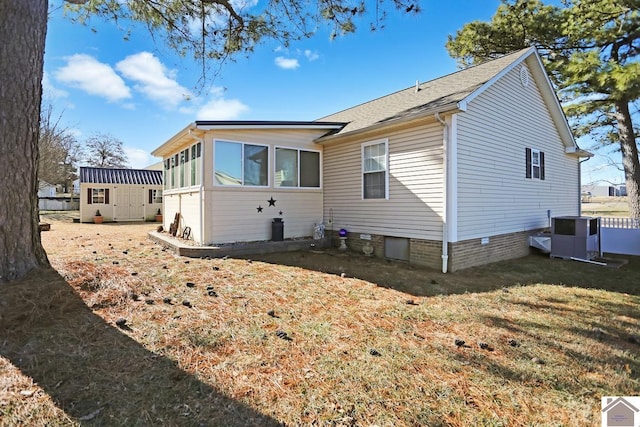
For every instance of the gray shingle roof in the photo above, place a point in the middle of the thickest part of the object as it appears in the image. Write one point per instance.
(433, 95)
(120, 176)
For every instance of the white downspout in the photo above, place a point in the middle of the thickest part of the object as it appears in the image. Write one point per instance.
(445, 180)
(201, 190)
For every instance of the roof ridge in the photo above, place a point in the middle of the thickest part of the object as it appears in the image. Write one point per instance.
(421, 85)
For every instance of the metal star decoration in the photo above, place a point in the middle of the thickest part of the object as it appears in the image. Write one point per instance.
(259, 209)
(271, 201)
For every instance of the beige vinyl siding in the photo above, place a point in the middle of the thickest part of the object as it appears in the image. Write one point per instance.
(494, 197)
(414, 207)
(232, 215)
(231, 212)
(187, 203)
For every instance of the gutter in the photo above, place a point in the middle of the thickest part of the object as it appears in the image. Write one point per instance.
(453, 107)
(445, 180)
(580, 187)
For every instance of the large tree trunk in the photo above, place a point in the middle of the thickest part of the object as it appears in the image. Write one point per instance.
(23, 26)
(630, 160)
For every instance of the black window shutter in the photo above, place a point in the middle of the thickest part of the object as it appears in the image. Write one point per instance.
(106, 196)
(150, 196)
(528, 158)
(89, 196)
(541, 165)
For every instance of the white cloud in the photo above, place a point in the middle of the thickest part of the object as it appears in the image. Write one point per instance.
(221, 109)
(311, 56)
(138, 159)
(94, 77)
(153, 79)
(49, 90)
(287, 63)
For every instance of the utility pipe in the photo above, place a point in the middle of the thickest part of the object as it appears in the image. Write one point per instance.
(445, 211)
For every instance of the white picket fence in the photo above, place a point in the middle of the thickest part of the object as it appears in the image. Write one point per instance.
(620, 235)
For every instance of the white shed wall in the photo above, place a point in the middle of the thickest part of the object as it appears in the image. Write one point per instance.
(414, 208)
(494, 197)
(87, 211)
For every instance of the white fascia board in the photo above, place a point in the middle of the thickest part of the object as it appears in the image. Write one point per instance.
(495, 78)
(172, 142)
(576, 151)
(551, 98)
(449, 108)
(274, 126)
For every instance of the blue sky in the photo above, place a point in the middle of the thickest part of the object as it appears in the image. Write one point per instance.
(142, 93)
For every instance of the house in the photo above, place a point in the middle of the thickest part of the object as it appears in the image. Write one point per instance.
(46, 190)
(619, 412)
(120, 194)
(450, 173)
(614, 190)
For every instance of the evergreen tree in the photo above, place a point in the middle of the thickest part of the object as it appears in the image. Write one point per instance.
(591, 50)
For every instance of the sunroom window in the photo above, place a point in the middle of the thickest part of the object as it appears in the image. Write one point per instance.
(238, 163)
(297, 168)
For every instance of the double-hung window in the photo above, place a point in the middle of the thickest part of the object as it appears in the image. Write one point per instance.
(155, 196)
(375, 170)
(239, 163)
(99, 196)
(534, 160)
(297, 168)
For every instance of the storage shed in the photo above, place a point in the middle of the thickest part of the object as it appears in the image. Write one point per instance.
(120, 194)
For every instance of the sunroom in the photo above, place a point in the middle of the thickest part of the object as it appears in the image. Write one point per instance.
(230, 180)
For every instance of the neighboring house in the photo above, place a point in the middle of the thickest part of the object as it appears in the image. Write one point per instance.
(451, 173)
(615, 190)
(46, 190)
(120, 194)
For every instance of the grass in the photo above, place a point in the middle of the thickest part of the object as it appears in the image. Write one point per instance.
(606, 206)
(287, 340)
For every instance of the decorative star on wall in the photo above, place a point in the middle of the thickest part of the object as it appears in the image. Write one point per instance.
(280, 213)
(271, 201)
(259, 209)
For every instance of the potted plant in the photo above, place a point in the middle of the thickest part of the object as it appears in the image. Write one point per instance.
(159, 215)
(97, 218)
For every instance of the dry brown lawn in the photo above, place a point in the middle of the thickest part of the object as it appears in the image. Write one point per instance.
(129, 334)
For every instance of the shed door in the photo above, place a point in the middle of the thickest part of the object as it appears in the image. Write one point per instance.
(121, 205)
(136, 203)
(129, 204)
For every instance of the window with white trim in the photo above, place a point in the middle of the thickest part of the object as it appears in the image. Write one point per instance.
(98, 196)
(534, 160)
(174, 164)
(239, 163)
(196, 151)
(375, 170)
(167, 170)
(155, 196)
(184, 158)
(297, 168)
